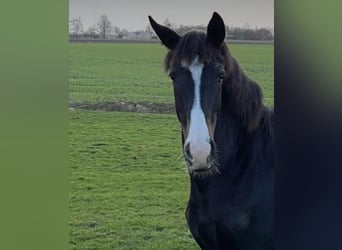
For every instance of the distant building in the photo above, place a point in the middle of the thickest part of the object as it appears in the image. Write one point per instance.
(139, 35)
(230, 37)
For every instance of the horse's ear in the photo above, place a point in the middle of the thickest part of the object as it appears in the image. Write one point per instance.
(167, 36)
(216, 31)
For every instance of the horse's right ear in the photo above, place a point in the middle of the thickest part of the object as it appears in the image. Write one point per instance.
(167, 36)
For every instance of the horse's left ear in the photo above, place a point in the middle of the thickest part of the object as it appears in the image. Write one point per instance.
(216, 31)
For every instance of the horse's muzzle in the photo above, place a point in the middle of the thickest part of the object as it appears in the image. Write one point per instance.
(197, 157)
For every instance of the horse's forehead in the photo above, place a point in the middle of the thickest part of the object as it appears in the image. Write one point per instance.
(197, 63)
(189, 64)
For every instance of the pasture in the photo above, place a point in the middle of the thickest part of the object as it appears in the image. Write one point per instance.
(128, 184)
(134, 72)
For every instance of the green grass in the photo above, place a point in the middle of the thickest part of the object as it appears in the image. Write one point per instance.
(118, 72)
(134, 72)
(128, 184)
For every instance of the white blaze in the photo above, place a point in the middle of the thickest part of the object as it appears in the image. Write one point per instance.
(198, 135)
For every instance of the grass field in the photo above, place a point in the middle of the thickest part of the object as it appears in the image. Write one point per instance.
(128, 184)
(134, 72)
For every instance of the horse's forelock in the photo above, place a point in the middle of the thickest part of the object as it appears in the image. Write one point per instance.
(192, 45)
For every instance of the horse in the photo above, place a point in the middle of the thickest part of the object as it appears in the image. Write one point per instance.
(227, 136)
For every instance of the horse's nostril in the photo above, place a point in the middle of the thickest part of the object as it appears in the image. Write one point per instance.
(187, 153)
(212, 146)
(211, 141)
(209, 161)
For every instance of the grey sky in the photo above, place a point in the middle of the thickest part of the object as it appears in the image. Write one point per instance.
(132, 14)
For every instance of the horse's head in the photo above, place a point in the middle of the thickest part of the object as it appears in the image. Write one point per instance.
(196, 64)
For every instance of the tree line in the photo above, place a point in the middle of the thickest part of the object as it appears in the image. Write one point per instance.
(104, 29)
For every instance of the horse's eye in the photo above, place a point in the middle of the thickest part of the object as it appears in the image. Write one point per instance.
(172, 75)
(221, 77)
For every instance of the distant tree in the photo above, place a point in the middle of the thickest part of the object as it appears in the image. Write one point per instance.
(149, 30)
(167, 22)
(227, 29)
(246, 26)
(249, 34)
(117, 32)
(124, 33)
(238, 33)
(245, 33)
(200, 27)
(139, 34)
(92, 32)
(104, 26)
(76, 26)
(182, 29)
(264, 34)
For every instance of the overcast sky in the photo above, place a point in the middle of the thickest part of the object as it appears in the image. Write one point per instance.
(132, 14)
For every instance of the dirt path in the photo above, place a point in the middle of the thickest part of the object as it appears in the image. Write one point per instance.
(146, 107)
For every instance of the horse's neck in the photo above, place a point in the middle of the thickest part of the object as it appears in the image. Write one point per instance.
(236, 146)
(231, 139)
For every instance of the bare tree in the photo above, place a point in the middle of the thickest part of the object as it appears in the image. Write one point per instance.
(182, 29)
(116, 31)
(246, 26)
(104, 26)
(92, 32)
(167, 23)
(124, 33)
(149, 30)
(76, 26)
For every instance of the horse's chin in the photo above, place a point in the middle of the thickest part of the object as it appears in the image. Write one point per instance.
(203, 172)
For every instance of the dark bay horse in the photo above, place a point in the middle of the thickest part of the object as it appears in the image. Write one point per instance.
(227, 140)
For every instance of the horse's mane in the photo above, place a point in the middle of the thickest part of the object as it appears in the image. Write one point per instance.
(244, 95)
